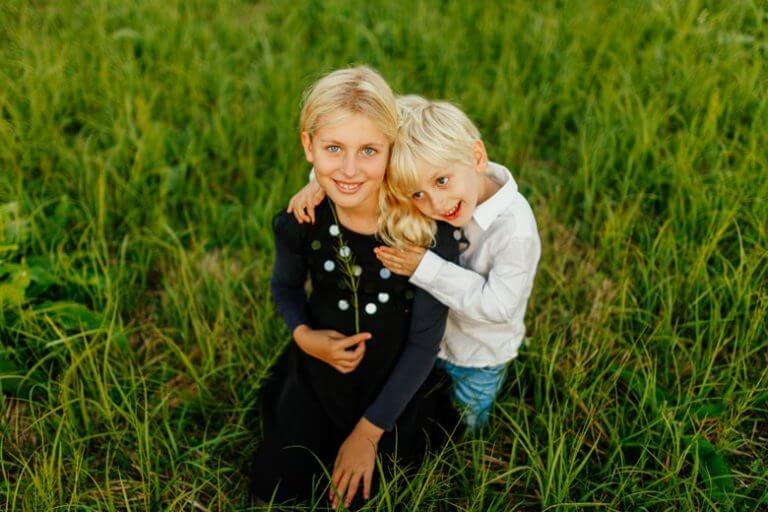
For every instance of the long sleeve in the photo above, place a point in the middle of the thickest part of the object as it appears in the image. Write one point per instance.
(290, 272)
(428, 320)
(492, 299)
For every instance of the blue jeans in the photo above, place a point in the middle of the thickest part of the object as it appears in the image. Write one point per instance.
(474, 390)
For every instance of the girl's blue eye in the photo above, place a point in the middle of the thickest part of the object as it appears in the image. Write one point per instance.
(333, 149)
(442, 180)
(369, 151)
(417, 195)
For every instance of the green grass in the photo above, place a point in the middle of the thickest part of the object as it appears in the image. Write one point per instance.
(145, 145)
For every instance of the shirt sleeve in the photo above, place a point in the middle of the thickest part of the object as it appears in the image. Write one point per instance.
(290, 272)
(489, 299)
(428, 318)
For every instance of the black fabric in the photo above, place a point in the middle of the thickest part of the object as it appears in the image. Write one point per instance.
(311, 404)
(295, 460)
(420, 352)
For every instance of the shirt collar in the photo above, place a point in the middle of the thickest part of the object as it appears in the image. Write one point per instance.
(487, 212)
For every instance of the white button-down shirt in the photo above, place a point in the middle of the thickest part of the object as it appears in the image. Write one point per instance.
(487, 294)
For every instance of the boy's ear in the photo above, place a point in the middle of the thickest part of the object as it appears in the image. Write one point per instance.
(306, 141)
(480, 156)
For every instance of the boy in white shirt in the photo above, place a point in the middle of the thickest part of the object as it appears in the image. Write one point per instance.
(440, 165)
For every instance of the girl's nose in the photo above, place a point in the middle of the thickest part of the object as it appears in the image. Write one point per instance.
(349, 167)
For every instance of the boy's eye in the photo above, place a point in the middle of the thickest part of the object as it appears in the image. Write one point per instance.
(443, 180)
(333, 148)
(417, 195)
(369, 151)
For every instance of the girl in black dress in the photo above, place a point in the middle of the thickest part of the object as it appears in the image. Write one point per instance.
(359, 377)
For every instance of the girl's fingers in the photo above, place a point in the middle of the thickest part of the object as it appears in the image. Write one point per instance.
(335, 480)
(342, 488)
(367, 478)
(354, 483)
(354, 340)
(343, 357)
(350, 356)
(355, 362)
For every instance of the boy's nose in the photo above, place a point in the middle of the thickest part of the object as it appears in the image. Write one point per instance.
(437, 205)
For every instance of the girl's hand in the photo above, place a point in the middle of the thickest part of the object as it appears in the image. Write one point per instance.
(302, 205)
(331, 346)
(355, 460)
(403, 262)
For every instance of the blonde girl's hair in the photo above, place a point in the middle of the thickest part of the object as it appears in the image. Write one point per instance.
(347, 91)
(437, 133)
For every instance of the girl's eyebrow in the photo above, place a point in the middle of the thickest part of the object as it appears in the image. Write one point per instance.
(367, 144)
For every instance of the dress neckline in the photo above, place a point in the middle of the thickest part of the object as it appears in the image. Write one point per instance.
(347, 229)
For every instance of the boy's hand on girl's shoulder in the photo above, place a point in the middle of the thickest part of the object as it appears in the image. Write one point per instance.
(303, 203)
(355, 462)
(332, 347)
(400, 261)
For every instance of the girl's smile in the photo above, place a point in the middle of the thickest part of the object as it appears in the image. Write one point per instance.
(346, 187)
(350, 156)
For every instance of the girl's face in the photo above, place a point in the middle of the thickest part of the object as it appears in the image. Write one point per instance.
(350, 158)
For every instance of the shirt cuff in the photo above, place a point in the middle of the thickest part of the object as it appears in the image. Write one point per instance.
(427, 270)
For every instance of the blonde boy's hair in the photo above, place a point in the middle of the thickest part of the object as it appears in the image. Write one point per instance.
(354, 90)
(431, 132)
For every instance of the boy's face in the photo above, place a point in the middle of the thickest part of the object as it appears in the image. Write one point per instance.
(350, 158)
(450, 194)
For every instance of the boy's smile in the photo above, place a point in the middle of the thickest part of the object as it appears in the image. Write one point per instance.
(451, 195)
(453, 212)
(450, 192)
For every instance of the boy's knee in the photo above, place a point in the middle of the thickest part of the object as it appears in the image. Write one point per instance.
(475, 393)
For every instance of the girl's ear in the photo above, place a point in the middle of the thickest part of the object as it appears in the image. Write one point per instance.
(306, 141)
(480, 156)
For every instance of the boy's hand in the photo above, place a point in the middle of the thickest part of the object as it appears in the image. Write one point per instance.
(403, 262)
(355, 460)
(331, 346)
(302, 205)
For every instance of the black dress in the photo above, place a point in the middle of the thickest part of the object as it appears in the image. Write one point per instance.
(308, 407)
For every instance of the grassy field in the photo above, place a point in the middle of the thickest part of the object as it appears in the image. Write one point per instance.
(145, 145)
